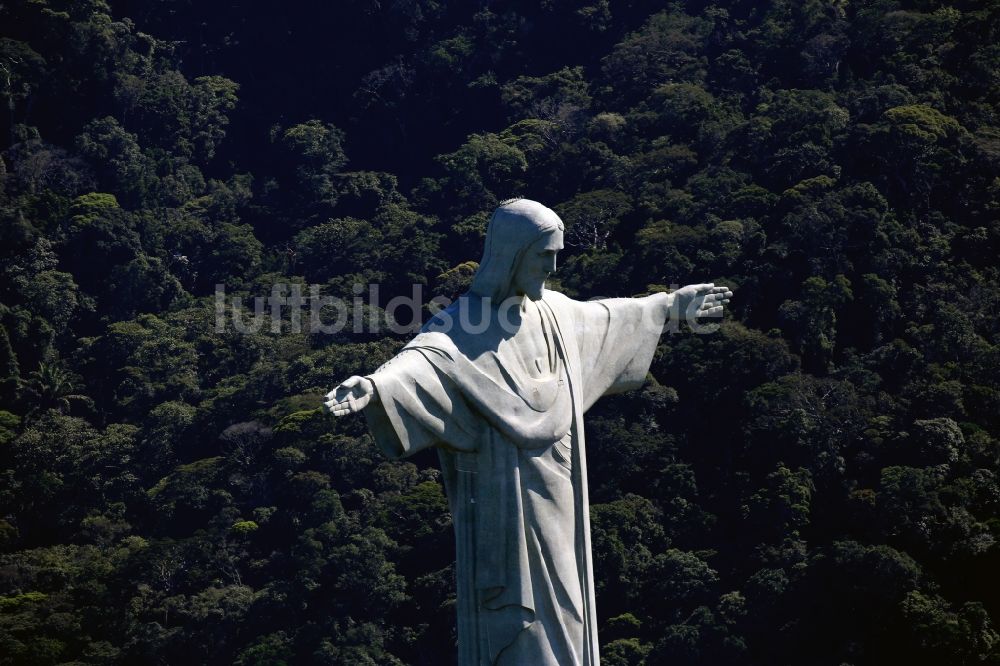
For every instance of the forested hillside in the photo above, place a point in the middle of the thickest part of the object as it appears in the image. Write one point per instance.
(814, 484)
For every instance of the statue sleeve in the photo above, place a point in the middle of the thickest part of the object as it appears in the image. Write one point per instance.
(419, 406)
(617, 338)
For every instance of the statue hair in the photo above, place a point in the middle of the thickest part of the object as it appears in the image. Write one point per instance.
(514, 226)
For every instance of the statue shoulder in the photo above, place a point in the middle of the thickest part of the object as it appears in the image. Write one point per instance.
(437, 333)
(557, 297)
(432, 339)
(561, 303)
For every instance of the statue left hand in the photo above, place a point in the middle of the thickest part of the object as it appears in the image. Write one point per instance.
(701, 300)
(351, 396)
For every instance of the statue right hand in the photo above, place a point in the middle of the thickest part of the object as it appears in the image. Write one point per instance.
(701, 300)
(351, 396)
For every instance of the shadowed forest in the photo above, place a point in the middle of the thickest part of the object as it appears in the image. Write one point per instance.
(816, 484)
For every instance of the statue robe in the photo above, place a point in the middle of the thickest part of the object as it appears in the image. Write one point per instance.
(509, 431)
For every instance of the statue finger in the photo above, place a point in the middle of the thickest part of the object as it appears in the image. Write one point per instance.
(342, 404)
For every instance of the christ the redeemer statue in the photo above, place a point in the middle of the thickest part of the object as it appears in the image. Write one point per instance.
(499, 382)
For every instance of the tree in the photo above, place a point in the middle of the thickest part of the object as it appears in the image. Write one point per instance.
(813, 319)
(561, 96)
(122, 167)
(665, 49)
(309, 156)
(21, 67)
(52, 387)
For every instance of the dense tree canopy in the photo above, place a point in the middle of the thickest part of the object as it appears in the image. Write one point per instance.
(818, 482)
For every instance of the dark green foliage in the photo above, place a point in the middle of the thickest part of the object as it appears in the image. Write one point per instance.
(817, 482)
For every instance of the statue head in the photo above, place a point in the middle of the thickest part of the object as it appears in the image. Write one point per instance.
(522, 240)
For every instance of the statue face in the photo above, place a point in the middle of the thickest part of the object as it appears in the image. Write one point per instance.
(537, 263)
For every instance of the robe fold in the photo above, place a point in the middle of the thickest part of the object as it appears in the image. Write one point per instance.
(509, 433)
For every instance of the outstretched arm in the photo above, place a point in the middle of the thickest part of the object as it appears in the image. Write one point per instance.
(353, 395)
(410, 404)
